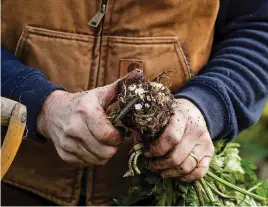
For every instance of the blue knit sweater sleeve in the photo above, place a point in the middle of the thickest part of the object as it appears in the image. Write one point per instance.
(28, 86)
(232, 89)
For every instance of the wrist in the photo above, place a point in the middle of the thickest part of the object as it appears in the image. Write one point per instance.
(211, 105)
(48, 108)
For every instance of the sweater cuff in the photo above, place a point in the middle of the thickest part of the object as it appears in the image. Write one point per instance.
(211, 105)
(33, 99)
(28, 86)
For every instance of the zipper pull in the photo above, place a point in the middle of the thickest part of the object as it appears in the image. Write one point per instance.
(95, 21)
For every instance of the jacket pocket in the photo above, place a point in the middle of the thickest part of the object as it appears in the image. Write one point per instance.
(157, 54)
(66, 58)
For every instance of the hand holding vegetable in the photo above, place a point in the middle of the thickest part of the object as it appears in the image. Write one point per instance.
(78, 125)
(172, 134)
(185, 148)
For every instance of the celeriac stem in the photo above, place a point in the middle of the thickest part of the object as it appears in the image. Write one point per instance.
(254, 187)
(198, 191)
(230, 185)
(249, 190)
(219, 193)
(208, 191)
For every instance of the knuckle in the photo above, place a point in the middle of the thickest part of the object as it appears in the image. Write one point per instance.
(65, 147)
(176, 162)
(186, 169)
(200, 174)
(68, 159)
(172, 138)
(69, 130)
(173, 159)
(110, 153)
(177, 141)
(63, 143)
(159, 149)
(87, 110)
(82, 107)
(110, 134)
(157, 165)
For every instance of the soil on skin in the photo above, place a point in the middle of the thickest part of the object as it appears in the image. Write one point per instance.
(151, 112)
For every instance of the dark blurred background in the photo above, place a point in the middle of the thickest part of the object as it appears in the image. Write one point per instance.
(254, 144)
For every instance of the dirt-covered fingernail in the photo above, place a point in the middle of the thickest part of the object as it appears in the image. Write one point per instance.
(135, 73)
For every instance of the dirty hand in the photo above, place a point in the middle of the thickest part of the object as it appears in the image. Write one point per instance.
(78, 125)
(185, 148)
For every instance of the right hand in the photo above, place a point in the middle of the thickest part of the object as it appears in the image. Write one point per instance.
(78, 125)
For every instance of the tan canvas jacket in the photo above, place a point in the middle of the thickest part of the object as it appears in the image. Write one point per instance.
(54, 35)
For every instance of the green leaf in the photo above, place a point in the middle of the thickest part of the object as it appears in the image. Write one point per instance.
(226, 164)
(262, 190)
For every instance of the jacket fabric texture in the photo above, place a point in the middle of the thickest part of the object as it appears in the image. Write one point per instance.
(157, 36)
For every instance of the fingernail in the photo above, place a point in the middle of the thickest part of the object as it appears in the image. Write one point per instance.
(135, 73)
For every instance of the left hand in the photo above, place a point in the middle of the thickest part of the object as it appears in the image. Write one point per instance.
(184, 150)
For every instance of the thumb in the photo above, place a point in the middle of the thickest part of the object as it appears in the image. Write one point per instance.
(107, 94)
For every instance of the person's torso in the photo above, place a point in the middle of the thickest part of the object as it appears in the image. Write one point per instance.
(54, 35)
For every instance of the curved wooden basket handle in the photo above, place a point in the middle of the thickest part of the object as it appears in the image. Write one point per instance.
(13, 115)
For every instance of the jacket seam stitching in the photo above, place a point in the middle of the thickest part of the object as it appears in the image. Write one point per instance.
(147, 40)
(181, 60)
(189, 71)
(21, 43)
(59, 35)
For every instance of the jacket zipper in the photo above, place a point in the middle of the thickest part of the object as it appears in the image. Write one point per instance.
(95, 21)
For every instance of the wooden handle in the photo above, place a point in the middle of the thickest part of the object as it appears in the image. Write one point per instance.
(7, 106)
(13, 114)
